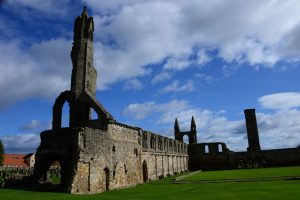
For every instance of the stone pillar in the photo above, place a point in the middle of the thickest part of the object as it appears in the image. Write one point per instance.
(252, 131)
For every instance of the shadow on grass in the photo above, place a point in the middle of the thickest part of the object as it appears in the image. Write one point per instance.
(29, 184)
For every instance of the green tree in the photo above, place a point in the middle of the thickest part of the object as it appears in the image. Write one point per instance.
(1, 153)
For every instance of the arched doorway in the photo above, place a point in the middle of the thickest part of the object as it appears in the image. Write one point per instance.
(48, 168)
(54, 173)
(106, 178)
(145, 171)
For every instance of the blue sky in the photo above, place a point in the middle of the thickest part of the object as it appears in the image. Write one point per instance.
(157, 60)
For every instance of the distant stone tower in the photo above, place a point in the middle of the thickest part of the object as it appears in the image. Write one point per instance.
(192, 134)
(252, 131)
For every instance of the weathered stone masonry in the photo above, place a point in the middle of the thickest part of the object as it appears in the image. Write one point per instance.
(101, 154)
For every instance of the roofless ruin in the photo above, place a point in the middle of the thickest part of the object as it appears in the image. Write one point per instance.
(103, 154)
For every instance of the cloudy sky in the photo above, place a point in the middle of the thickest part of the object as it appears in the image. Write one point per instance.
(157, 60)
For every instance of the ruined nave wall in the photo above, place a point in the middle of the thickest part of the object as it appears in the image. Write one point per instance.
(116, 158)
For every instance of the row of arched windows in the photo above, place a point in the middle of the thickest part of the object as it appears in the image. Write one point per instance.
(160, 143)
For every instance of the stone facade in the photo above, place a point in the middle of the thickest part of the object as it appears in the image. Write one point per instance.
(102, 154)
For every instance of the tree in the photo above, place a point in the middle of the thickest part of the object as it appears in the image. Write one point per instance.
(1, 153)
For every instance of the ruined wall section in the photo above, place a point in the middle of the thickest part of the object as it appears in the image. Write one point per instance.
(95, 160)
(61, 146)
(268, 158)
(108, 159)
(209, 156)
(163, 156)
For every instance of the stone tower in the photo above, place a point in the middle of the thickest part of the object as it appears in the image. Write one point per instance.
(192, 134)
(252, 131)
(84, 74)
(81, 97)
(61, 143)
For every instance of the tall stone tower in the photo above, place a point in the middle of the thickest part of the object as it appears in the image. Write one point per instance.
(84, 74)
(81, 97)
(252, 131)
(64, 144)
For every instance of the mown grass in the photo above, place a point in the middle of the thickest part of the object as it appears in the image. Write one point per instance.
(246, 173)
(165, 189)
(55, 180)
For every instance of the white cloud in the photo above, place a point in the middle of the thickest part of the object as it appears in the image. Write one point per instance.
(49, 7)
(177, 86)
(181, 62)
(205, 77)
(211, 126)
(178, 63)
(278, 130)
(283, 100)
(129, 35)
(21, 143)
(145, 32)
(133, 84)
(141, 111)
(31, 125)
(161, 77)
(202, 57)
(43, 70)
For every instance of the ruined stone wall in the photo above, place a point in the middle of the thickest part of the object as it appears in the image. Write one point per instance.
(95, 160)
(110, 159)
(114, 158)
(61, 146)
(163, 156)
(268, 158)
(209, 156)
(216, 156)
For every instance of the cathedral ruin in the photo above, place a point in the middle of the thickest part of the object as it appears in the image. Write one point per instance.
(101, 154)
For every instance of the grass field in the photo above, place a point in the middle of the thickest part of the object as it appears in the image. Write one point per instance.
(246, 173)
(165, 189)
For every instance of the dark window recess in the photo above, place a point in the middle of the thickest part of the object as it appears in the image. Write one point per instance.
(125, 169)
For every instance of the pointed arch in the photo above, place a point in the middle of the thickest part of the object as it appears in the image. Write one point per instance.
(58, 106)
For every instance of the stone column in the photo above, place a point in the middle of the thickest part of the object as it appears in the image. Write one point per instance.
(252, 131)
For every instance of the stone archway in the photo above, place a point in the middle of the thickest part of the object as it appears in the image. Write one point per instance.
(145, 172)
(58, 106)
(48, 165)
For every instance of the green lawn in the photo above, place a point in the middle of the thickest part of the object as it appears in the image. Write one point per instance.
(246, 173)
(55, 180)
(165, 189)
